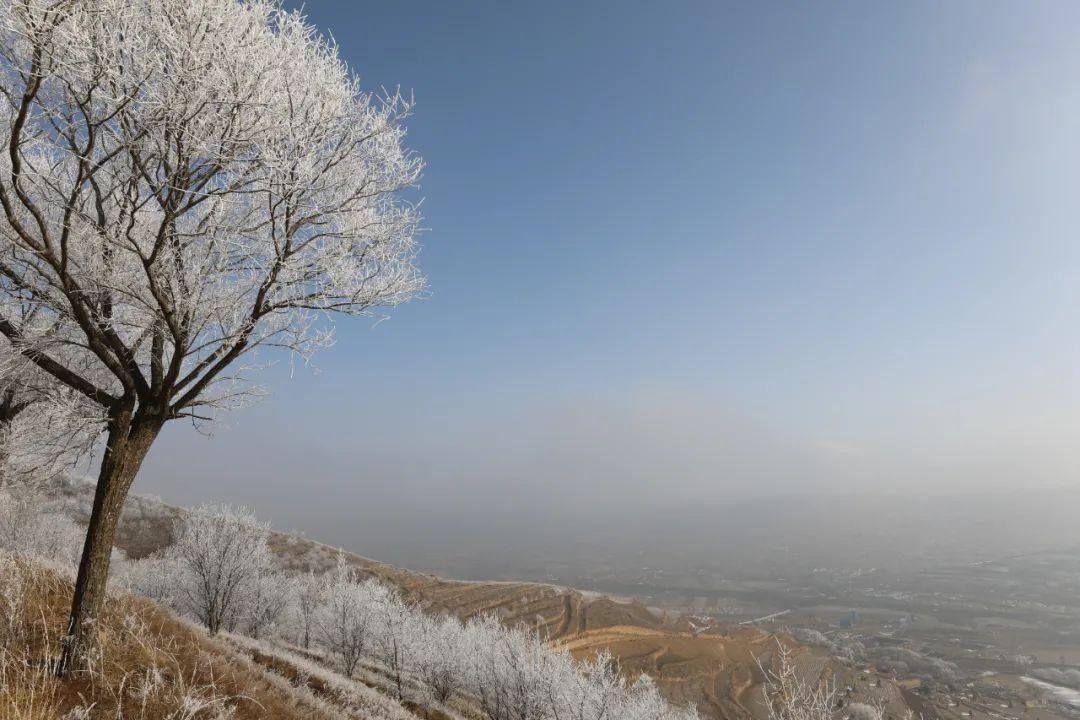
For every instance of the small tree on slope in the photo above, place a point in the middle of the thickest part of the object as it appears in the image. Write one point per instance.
(223, 558)
(268, 602)
(310, 593)
(347, 615)
(183, 182)
(790, 697)
(395, 625)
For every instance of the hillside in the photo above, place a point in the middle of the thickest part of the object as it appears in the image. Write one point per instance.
(716, 670)
(151, 665)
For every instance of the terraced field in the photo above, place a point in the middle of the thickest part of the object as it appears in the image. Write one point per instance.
(555, 611)
(720, 673)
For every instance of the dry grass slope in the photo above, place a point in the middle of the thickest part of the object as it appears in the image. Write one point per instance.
(147, 666)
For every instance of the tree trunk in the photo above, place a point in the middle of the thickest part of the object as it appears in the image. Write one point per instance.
(3, 456)
(128, 442)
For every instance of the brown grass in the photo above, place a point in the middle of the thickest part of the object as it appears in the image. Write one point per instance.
(145, 665)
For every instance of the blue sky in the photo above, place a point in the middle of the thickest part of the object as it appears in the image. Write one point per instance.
(695, 249)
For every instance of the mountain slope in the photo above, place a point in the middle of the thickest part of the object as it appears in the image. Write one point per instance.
(147, 664)
(720, 672)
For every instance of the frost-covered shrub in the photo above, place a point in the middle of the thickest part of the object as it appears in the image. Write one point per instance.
(27, 530)
(156, 576)
(905, 661)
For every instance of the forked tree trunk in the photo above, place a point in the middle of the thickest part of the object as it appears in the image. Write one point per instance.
(128, 442)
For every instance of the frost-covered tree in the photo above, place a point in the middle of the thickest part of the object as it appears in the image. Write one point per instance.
(346, 616)
(220, 571)
(18, 393)
(223, 558)
(511, 670)
(45, 427)
(310, 593)
(435, 644)
(515, 675)
(184, 182)
(643, 701)
(792, 698)
(267, 602)
(395, 625)
(591, 690)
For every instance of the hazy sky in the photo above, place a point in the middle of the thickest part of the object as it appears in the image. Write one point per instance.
(689, 249)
